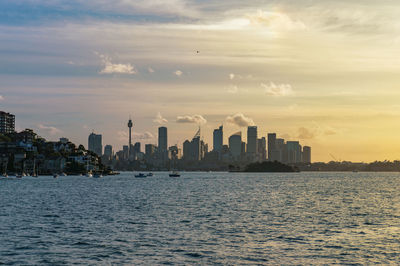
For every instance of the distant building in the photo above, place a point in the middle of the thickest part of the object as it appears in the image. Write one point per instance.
(194, 150)
(136, 148)
(252, 143)
(125, 152)
(108, 151)
(235, 146)
(262, 149)
(162, 139)
(294, 152)
(150, 150)
(218, 139)
(7, 123)
(306, 154)
(95, 143)
(272, 147)
(130, 125)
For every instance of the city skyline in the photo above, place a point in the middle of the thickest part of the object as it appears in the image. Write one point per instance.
(317, 72)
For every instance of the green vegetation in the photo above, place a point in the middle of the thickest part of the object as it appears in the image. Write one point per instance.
(273, 167)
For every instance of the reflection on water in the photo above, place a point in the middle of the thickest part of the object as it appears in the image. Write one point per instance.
(207, 218)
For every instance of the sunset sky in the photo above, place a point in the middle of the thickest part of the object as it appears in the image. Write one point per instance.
(325, 72)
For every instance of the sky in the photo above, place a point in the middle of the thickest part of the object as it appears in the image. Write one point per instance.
(324, 72)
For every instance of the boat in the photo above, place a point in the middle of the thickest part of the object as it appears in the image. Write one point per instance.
(97, 175)
(89, 174)
(140, 175)
(63, 174)
(174, 174)
(5, 175)
(55, 175)
(18, 176)
(150, 174)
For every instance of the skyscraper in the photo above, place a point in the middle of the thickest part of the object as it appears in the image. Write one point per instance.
(272, 147)
(218, 139)
(7, 123)
(306, 154)
(162, 139)
(130, 124)
(294, 151)
(252, 142)
(262, 149)
(235, 145)
(95, 144)
(108, 151)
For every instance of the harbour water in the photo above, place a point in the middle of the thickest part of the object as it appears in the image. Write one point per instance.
(202, 218)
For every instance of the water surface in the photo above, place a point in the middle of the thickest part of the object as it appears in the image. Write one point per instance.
(202, 218)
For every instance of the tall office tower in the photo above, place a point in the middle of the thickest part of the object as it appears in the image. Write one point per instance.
(162, 139)
(294, 151)
(235, 145)
(218, 139)
(280, 153)
(136, 148)
(125, 150)
(187, 150)
(272, 147)
(7, 123)
(306, 154)
(150, 150)
(252, 143)
(262, 149)
(108, 151)
(95, 144)
(130, 125)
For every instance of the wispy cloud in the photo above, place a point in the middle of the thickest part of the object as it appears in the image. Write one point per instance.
(2, 98)
(159, 119)
(231, 76)
(143, 136)
(233, 89)
(239, 120)
(150, 69)
(194, 119)
(112, 68)
(277, 89)
(49, 129)
(275, 21)
(304, 133)
(178, 73)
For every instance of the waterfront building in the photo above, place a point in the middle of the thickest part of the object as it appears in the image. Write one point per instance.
(136, 148)
(272, 147)
(7, 123)
(235, 146)
(294, 152)
(218, 139)
(252, 143)
(108, 151)
(262, 149)
(95, 143)
(306, 154)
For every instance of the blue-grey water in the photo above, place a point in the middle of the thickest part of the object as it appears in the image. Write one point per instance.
(202, 218)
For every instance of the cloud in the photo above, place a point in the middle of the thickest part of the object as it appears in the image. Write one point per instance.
(49, 129)
(1, 98)
(178, 73)
(277, 89)
(195, 119)
(111, 68)
(159, 119)
(124, 136)
(240, 120)
(151, 70)
(142, 136)
(304, 133)
(275, 21)
(233, 89)
(231, 76)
